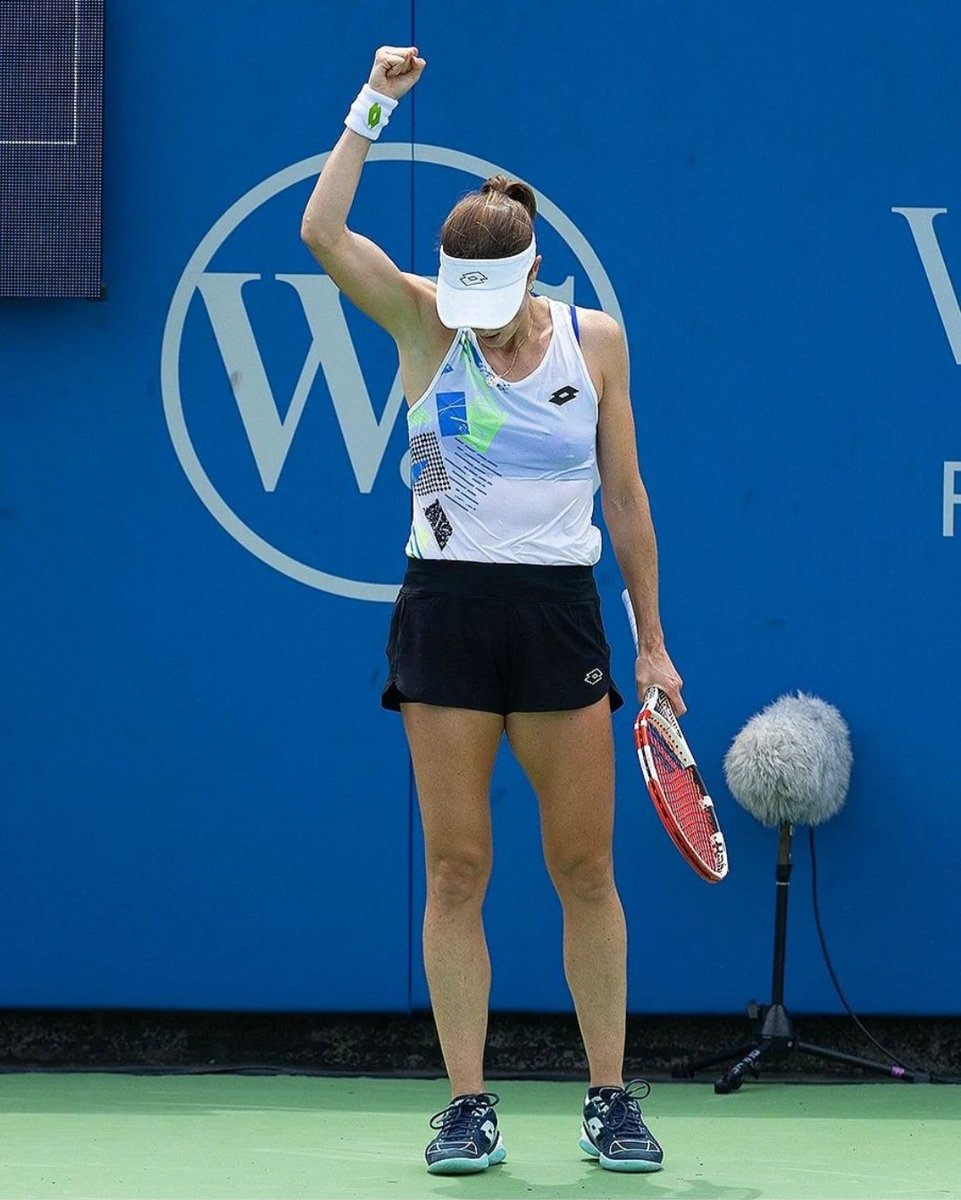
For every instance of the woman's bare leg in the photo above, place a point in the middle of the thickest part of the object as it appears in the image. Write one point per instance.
(569, 759)
(454, 751)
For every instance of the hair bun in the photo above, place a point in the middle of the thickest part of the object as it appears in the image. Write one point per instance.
(494, 222)
(513, 189)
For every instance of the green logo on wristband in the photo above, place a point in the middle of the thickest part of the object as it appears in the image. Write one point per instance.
(373, 117)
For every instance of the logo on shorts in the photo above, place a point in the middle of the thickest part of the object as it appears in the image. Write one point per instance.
(594, 676)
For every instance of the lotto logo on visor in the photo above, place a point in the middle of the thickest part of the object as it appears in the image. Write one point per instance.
(483, 293)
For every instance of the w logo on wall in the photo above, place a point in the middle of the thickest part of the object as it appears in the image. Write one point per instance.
(285, 406)
(921, 222)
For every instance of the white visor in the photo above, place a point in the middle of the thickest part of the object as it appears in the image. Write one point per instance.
(483, 293)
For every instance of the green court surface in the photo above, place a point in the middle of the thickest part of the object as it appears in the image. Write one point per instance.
(217, 1136)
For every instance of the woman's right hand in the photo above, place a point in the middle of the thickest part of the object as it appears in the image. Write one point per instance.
(395, 71)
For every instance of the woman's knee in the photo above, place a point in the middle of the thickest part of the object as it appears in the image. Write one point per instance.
(583, 877)
(458, 877)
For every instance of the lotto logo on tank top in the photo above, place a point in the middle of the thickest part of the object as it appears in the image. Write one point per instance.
(562, 395)
(285, 405)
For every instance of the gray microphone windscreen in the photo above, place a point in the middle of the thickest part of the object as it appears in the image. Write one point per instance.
(791, 762)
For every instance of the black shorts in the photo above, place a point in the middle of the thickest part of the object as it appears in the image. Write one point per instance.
(498, 637)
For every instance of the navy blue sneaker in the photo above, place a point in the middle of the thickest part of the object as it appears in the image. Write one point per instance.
(614, 1130)
(469, 1139)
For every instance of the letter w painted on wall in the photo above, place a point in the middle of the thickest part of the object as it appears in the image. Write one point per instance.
(921, 221)
(331, 347)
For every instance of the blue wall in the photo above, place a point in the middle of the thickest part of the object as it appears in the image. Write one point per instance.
(204, 806)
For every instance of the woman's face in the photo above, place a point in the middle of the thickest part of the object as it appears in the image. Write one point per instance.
(501, 337)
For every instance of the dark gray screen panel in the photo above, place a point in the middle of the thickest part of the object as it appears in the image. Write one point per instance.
(51, 141)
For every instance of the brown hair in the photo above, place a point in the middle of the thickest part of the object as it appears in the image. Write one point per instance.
(495, 222)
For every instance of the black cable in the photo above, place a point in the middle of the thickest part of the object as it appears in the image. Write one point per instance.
(837, 986)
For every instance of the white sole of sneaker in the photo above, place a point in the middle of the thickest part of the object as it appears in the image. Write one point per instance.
(469, 1166)
(625, 1165)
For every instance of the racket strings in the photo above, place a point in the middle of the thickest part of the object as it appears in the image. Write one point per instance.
(684, 797)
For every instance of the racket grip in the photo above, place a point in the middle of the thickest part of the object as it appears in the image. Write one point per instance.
(629, 609)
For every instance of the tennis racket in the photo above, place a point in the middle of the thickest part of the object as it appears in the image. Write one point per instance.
(677, 789)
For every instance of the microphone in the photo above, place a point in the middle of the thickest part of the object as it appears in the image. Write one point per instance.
(791, 763)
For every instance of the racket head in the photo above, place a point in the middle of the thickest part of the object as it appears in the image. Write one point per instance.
(677, 789)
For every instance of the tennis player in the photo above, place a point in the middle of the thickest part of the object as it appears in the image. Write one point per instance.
(513, 399)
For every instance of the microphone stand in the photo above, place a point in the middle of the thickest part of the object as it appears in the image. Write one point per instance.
(776, 1031)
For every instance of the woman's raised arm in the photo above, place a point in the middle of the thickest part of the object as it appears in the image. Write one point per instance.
(359, 267)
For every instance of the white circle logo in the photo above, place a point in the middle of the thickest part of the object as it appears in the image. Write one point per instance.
(269, 435)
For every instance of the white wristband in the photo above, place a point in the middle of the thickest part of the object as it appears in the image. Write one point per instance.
(370, 112)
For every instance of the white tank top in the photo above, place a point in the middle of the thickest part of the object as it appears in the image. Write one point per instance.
(502, 471)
